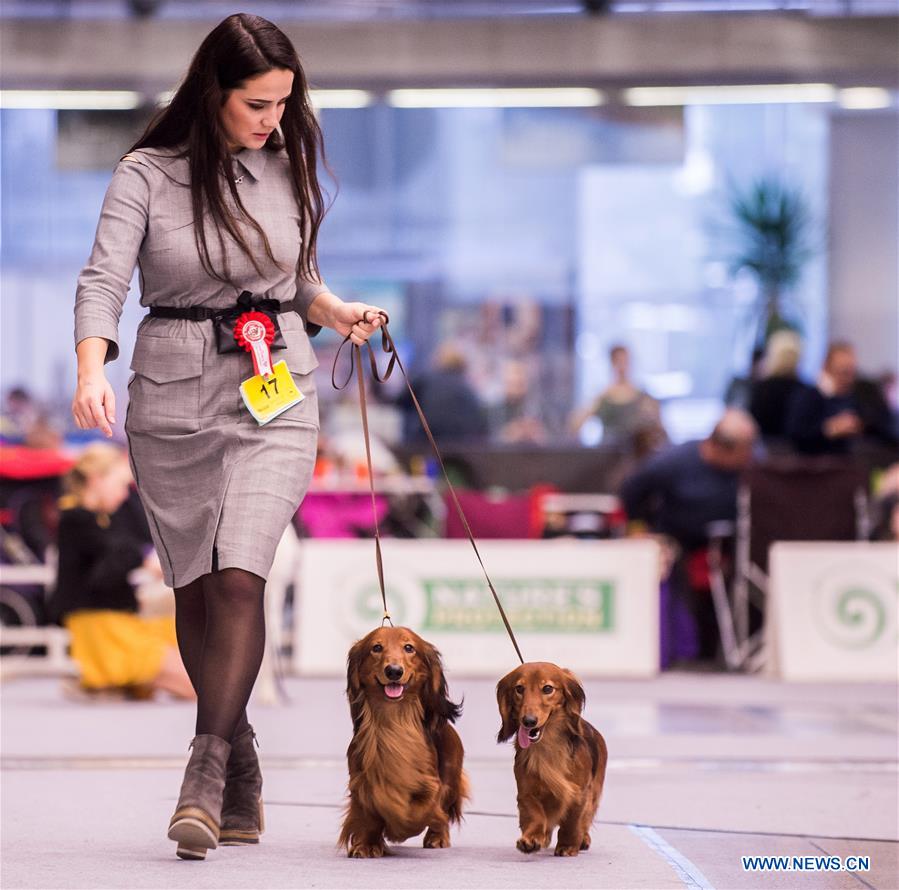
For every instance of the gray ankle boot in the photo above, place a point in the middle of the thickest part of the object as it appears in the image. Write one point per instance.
(242, 818)
(196, 822)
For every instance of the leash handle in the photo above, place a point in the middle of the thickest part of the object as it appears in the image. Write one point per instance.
(389, 347)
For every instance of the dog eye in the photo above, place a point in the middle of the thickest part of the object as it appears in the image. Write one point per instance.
(519, 690)
(377, 648)
(547, 689)
(408, 648)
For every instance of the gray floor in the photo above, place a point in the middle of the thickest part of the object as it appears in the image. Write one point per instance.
(703, 769)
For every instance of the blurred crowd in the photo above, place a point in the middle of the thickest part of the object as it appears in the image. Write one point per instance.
(108, 591)
(836, 413)
(831, 415)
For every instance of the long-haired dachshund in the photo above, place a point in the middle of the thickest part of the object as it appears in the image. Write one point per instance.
(560, 759)
(405, 760)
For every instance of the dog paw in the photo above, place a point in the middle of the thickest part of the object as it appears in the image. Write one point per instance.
(367, 851)
(566, 850)
(528, 844)
(435, 840)
(585, 843)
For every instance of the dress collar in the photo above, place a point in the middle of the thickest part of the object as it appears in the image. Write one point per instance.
(253, 161)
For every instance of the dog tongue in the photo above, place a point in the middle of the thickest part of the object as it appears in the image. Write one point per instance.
(523, 738)
(393, 690)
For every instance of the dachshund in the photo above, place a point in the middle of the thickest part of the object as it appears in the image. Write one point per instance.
(405, 760)
(560, 759)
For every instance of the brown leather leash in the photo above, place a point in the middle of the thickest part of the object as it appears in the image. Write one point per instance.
(389, 348)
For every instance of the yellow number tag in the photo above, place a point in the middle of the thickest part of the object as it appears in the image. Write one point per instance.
(267, 397)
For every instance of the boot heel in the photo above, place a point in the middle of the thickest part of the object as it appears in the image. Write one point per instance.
(192, 830)
(195, 826)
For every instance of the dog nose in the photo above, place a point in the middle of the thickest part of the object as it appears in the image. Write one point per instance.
(394, 672)
(529, 721)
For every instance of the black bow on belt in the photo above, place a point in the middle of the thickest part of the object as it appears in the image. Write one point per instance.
(225, 319)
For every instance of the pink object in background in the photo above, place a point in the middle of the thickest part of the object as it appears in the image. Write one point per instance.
(340, 514)
(508, 516)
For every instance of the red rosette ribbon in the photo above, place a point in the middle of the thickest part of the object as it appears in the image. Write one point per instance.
(255, 332)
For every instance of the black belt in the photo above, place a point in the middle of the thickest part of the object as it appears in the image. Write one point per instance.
(224, 319)
(245, 302)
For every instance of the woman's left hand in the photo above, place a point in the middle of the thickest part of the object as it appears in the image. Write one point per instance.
(348, 320)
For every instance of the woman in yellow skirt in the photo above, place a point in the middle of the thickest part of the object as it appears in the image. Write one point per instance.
(113, 646)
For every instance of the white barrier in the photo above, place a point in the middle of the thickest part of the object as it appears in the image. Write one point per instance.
(832, 612)
(592, 606)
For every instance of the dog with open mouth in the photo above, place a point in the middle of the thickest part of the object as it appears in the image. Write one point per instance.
(560, 759)
(405, 759)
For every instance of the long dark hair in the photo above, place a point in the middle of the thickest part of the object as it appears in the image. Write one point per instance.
(241, 47)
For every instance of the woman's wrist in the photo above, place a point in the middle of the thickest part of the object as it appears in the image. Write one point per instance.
(322, 310)
(88, 373)
(91, 352)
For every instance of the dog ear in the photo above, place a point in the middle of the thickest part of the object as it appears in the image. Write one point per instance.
(354, 691)
(575, 697)
(435, 694)
(506, 708)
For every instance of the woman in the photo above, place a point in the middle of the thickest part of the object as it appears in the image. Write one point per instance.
(218, 197)
(113, 646)
(630, 417)
(770, 396)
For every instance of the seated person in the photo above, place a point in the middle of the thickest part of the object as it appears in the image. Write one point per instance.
(453, 409)
(113, 646)
(517, 416)
(770, 397)
(833, 416)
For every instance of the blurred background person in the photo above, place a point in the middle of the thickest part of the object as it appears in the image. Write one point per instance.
(448, 400)
(629, 415)
(517, 416)
(876, 410)
(739, 390)
(681, 493)
(114, 647)
(834, 415)
(682, 490)
(771, 394)
(19, 414)
(25, 421)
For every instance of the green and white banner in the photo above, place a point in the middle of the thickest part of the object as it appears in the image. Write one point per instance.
(592, 606)
(833, 611)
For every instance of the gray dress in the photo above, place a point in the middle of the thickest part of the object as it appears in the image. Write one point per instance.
(218, 488)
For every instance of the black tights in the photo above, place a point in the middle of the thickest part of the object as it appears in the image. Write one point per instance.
(220, 620)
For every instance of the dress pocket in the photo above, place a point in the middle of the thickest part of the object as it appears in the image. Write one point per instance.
(299, 354)
(164, 393)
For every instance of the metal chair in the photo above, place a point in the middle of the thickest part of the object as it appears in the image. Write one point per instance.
(785, 498)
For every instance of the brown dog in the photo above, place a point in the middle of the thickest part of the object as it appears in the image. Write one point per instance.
(560, 759)
(405, 760)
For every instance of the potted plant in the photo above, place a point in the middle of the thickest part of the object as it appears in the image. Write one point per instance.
(773, 229)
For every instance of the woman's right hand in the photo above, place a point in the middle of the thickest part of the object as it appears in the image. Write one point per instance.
(94, 402)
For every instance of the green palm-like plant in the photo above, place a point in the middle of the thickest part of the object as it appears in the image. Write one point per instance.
(773, 229)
